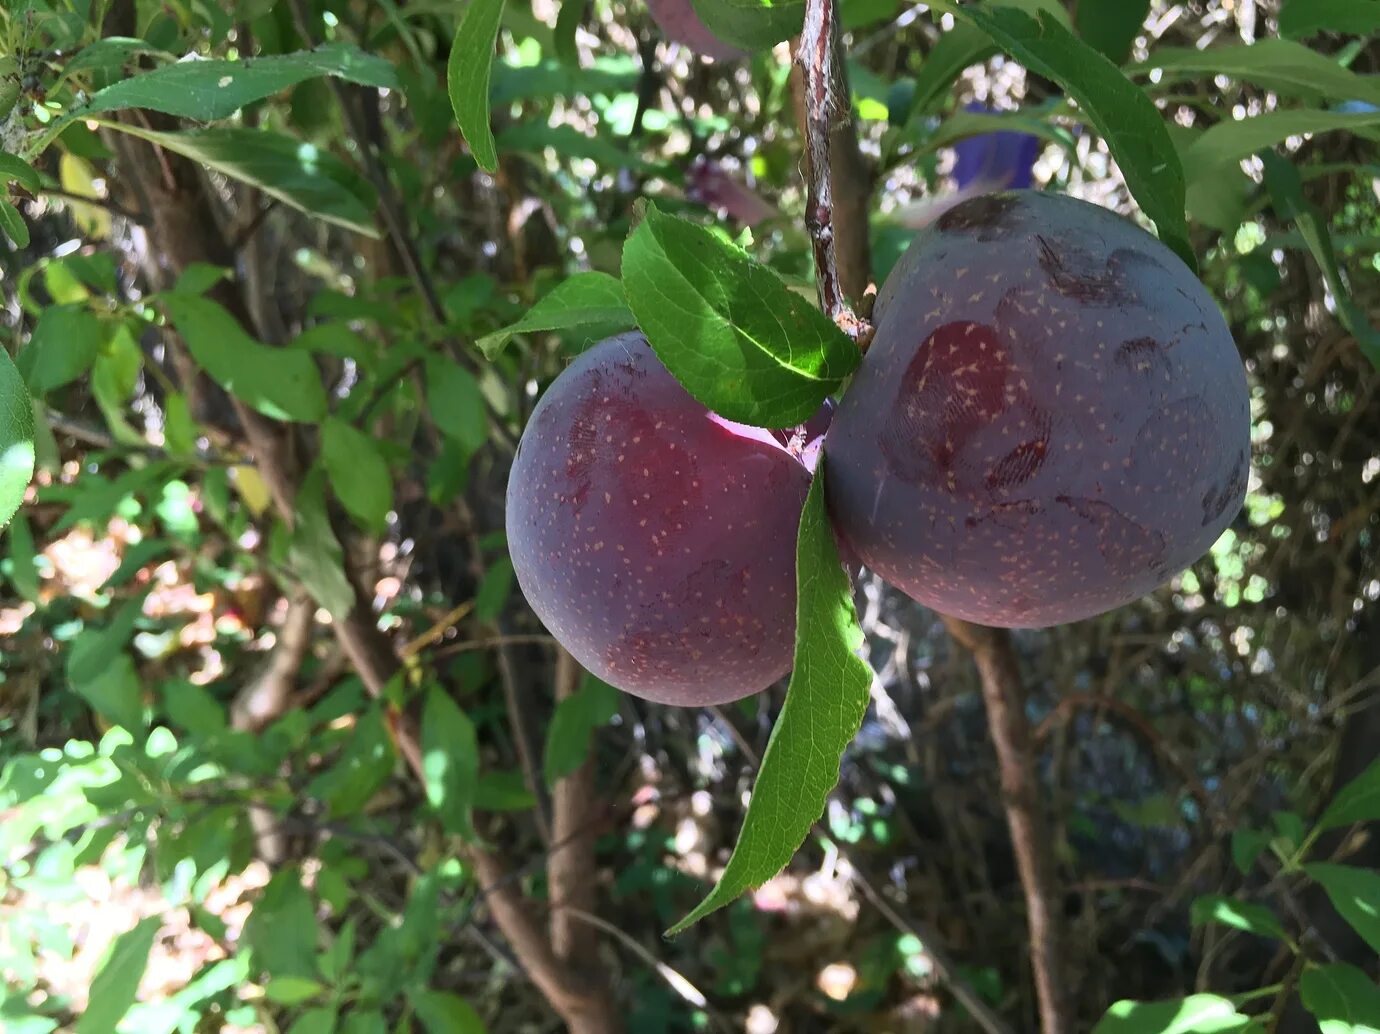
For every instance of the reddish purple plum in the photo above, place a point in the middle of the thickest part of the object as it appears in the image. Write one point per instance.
(654, 539)
(1051, 421)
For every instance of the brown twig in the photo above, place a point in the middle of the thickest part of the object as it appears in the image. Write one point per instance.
(1031, 839)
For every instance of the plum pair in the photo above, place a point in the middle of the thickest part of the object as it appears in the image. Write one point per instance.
(1051, 421)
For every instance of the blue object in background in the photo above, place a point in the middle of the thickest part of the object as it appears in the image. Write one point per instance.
(1355, 108)
(1004, 160)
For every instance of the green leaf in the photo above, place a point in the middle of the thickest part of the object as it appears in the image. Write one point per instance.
(335, 960)
(467, 77)
(12, 167)
(824, 708)
(362, 769)
(16, 438)
(1242, 915)
(358, 472)
(728, 328)
(573, 725)
(1120, 111)
(1233, 141)
(752, 24)
(62, 348)
(193, 708)
(456, 403)
(314, 552)
(301, 175)
(586, 299)
(1275, 64)
(1196, 1014)
(1110, 26)
(281, 931)
(503, 791)
(567, 23)
(211, 90)
(1246, 846)
(320, 1020)
(494, 590)
(1357, 801)
(1342, 998)
(199, 277)
(117, 981)
(13, 224)
(292, 990)
(23, 575)
(1286, 190)
(282, 383)
(450, 761)
(444, 1013)
(1354, 893)
(1300, 18)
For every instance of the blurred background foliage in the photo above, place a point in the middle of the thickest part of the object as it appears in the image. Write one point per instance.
(205, 822)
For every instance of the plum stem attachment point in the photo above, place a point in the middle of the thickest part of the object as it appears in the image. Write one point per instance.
(821, 65)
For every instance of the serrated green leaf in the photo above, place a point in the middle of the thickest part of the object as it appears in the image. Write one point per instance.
(1286, 190)
(828, 695)
(13, 224)
(450, 761)
(63, 346)
(1126, 118)
(1357, 801)
(444, 1013)
(456, 403)
(1277, 64)
(299, 174)
(586, 299)
(1242, 915)
(728, 328)
(1196, 1014)
(117, 981)
(314, 552)
(16, 438)
(1354, 893)
(358, 472)
(282, 383)
(1342, 998)
(292, 990)
(1111, 26)
(573, 725)
(467, 77)
(1300, 18)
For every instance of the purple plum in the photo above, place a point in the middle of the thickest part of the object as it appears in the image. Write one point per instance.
(1052, 419)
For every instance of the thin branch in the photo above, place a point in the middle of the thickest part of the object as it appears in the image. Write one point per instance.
(1031, 839)
(826, 92)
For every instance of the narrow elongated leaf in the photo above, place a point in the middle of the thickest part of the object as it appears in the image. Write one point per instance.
(467, 77)
(358, 472)
(117, 981)
(1357, 801)
(301, 175)
(450, 760)
(1300, 18)
(13, 224)
(16, 438)
(728, 328)
(824, 708)
(1277, 64)
(586, 299)
(1196, 1014)
(1127, 119)
(1286, 189)
(282, 383)
(12, 167)
(62, 347)
(573, 724)
(1355, 894)
(292, 990)
(1232, 141)
(1242, 915)
(1342, 998)
(314, 552)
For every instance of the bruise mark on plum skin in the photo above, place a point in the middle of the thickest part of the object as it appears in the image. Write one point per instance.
(1085, 286)
(1216, 501)
(1128, 546)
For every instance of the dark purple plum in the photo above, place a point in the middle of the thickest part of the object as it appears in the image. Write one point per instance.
(1051, 421)
(653, 538)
